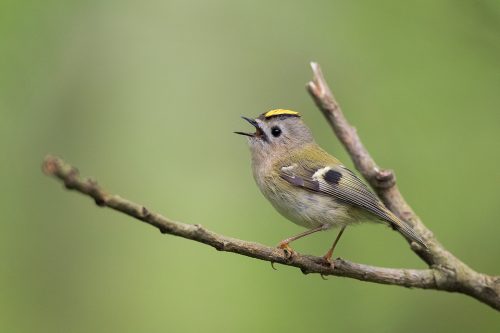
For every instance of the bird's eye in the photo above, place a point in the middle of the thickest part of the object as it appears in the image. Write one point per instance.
(276, 131)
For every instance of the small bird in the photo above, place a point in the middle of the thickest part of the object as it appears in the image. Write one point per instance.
(307, 185)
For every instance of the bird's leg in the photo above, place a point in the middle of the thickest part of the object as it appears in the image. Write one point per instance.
(329, 254)
(284, 243)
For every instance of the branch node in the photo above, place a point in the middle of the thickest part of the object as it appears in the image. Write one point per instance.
(201, 232)
(221, 246)
(408, 216)
(444, 277)
(385, 178)
(145, 214)
(96, 192)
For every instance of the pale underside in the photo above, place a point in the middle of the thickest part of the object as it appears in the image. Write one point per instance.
(306, 208)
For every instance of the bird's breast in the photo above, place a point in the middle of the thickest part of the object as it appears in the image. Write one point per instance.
(303, 207)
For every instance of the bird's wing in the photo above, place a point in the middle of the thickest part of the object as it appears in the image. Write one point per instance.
(337, 182)
(342, 184)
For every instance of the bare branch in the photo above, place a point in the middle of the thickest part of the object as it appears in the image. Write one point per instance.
(445, 272)
(456, 276)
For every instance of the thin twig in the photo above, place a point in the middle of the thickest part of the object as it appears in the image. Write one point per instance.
(382, 181)
(456, 275)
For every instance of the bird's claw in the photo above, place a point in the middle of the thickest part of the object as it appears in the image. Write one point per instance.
(327, 261)
(287, 250)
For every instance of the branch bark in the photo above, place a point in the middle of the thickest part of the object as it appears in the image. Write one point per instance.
(445, 271)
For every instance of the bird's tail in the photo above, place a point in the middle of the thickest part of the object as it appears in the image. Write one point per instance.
(406, 230)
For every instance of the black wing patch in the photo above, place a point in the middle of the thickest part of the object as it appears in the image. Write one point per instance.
(333, 177)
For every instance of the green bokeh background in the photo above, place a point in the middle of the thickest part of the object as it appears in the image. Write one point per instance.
(144, 95)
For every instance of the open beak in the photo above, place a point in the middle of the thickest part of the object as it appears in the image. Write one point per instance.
(254, 124)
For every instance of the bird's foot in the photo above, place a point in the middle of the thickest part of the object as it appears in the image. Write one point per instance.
(287, 250)
(327, 261)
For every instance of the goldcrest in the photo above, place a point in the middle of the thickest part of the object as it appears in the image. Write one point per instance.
(307, 185)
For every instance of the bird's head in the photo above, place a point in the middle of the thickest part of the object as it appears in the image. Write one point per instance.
(276, 132)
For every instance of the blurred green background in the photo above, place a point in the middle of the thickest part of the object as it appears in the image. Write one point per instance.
(144, 96)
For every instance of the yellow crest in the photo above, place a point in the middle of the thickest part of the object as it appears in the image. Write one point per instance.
(279, 112)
